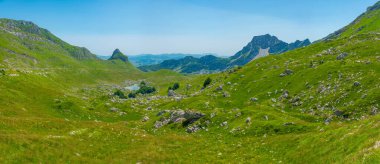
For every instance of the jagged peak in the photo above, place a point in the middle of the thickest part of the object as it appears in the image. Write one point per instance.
(118, 55)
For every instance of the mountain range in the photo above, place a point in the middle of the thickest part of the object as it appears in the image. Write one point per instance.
(258, 47)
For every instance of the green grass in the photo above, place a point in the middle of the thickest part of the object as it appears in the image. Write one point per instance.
(57, 108)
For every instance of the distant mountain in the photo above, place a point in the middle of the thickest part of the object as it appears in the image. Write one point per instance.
(151, 59)
(189, 64)
(258, 47)
(118, 55)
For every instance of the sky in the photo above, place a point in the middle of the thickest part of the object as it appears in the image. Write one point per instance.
(221, 27)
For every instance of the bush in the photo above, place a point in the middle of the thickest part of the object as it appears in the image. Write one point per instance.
(174, 87)
(207, 82)
(146, 90)
(119, 94)
(132, 95)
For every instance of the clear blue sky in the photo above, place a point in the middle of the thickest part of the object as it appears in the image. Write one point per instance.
(187, 26)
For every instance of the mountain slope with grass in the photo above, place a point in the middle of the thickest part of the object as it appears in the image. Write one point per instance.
(317, 104)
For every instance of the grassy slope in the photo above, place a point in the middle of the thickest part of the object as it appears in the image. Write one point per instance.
(98, 135)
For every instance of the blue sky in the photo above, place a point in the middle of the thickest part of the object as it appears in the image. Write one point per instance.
(187, 26)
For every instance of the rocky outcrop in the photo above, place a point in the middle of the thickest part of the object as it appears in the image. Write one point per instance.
(118, 55)
(186, 118)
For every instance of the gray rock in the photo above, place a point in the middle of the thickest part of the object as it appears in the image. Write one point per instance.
(341, 56)
(159, 124)
(285, 94)
(220, 88)
(238, 114)
(327, 121)
(145, 119)
(356, 84)
(193, 129)
(374, 111)
(171, 93)
(286, 73)
(254, 99)
(225, 123)
(338, 113)
(114, 109)
(248, 120)
(289, 123)
(226, 94)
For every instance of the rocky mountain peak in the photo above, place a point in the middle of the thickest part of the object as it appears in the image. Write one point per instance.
(118, 55)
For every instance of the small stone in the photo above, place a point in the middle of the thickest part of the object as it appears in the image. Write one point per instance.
(171, 93)
(114, 109)
(145, 119)
(248, 120)
(225, 123)
(341, 56)
(356, 84)
(254, 99)
(289, 123)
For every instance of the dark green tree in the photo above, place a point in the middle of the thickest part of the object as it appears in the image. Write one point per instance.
(119, 94)
(207, 82)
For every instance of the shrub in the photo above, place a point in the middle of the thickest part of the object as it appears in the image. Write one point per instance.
(132, 95)
(119, 94)
(174, 87)
(207, 82)
(146, 90)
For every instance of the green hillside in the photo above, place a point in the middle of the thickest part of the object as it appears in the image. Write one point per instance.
(317, 104)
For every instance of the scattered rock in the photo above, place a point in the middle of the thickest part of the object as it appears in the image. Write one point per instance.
(145, 119)
(248, 120)
(286, 73)
(226, 94)
(374, 111)
(289, 123)
(328, 120)
(220, 88)
(225, 123)
(193, 129)
(238, 114)
(171, 93)
(342, 56)
(178, 116)
(254, 99)
(356, 84)
(113, 109)
(285, 94)
(266, 117)
(338, 113)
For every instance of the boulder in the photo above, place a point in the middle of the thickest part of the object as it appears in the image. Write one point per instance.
(171, 93)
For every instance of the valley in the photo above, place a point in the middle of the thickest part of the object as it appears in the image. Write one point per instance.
(294, 103)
